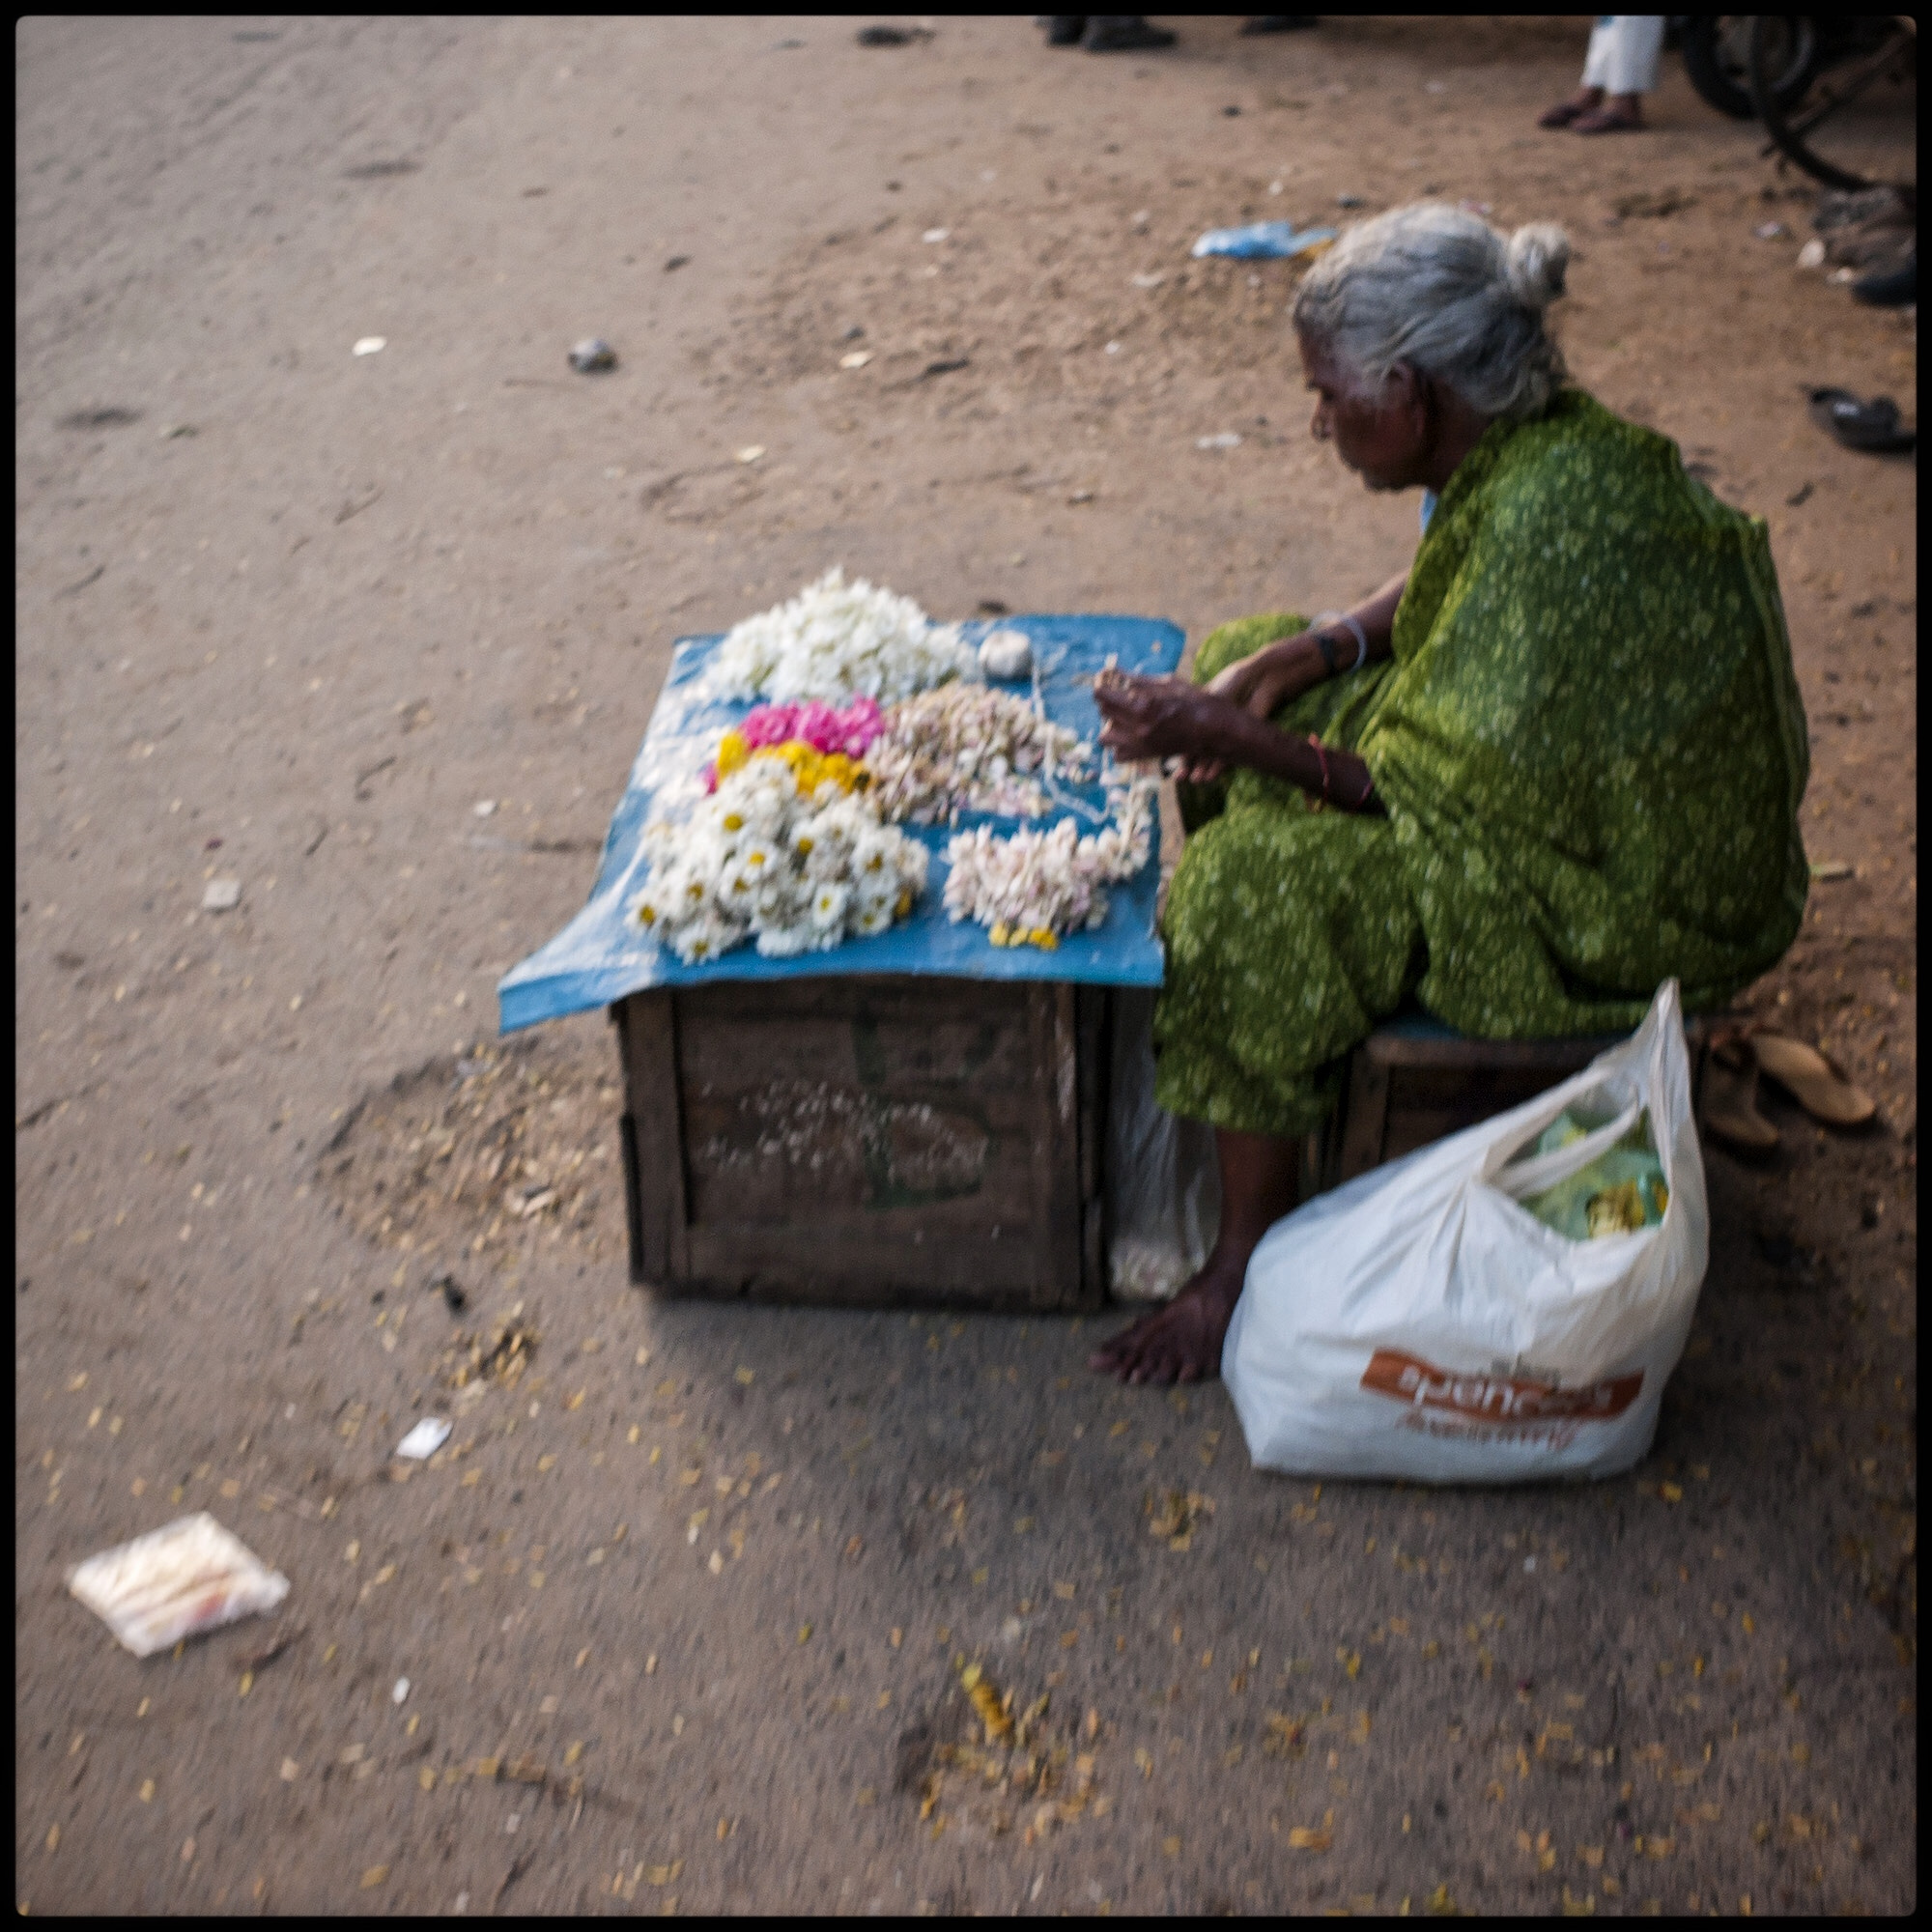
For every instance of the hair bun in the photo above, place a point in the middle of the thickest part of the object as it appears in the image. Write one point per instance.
(1534, 260)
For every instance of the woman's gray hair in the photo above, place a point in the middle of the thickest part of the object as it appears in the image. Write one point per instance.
(1437, 288)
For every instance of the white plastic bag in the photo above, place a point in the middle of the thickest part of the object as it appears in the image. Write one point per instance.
(1418, 1322)
(176, 1583)
(1163, 1183)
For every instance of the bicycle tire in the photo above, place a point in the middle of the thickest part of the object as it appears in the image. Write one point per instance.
(1710, 76)
(1775, 113)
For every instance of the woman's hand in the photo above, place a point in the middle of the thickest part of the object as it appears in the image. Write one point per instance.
(1168, 718)
(1275, 675)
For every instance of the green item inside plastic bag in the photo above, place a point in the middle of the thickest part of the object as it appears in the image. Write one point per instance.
(1621, 1192)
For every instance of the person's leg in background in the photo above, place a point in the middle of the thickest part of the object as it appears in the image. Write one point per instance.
(1625, 70)
(1122, 32)
(1620, 65)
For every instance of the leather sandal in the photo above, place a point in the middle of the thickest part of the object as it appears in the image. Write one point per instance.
(1606, 121)
(1812, 1080)
(1563, 114)
(1728, 1100)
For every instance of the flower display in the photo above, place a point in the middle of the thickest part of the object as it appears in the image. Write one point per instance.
(1034, 887)
(816, 741)
(762, 857)
(839, 640)
(967, 748)
(809, 769)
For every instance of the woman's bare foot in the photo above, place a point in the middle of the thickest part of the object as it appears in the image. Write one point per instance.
(1180, 1342)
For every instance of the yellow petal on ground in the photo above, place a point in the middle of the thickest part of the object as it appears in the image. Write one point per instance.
(1309, 1838)
(374, 1877)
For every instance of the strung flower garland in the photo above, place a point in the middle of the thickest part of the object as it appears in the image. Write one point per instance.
(967, 748)
(838, 641)
(1034, 887)
(762, 857)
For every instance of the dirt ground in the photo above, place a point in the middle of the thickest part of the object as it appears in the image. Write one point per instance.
(682, 1604)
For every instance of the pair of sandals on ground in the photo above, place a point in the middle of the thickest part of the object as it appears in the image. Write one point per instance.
(1592, 112)
(1738, 1057)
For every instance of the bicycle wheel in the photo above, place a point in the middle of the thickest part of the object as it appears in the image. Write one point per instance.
(1890, 51)
(1717, 59)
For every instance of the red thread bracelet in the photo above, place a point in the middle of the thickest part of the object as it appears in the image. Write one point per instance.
(1322, 757)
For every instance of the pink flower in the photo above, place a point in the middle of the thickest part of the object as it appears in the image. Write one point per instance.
(815, 723)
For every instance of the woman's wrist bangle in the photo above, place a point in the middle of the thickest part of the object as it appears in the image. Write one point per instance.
(1356, 629)
(1328, 650)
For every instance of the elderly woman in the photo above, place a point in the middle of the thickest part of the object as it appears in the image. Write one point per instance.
(1557, 761)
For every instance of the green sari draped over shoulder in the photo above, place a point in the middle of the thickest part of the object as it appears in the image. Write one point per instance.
(1591, 749)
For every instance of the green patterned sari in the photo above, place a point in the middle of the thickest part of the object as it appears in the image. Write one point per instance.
(1591, 749)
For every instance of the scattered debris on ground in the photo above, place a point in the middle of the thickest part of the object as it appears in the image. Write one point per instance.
(482, 1158)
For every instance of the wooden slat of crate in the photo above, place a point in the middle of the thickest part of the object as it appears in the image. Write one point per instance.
(908, 1141)
(1405, 1091)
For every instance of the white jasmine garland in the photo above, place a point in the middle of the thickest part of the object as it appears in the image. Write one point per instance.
(1034, 887)
(759, 861)
(838, 641)
(967, 748)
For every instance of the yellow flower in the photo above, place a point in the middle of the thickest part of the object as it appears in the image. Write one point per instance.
(735, 821)
(733, 751)
(1044, 938)
(997, 935)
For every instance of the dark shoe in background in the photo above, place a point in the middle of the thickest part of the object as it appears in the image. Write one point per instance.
(1278, 23)
(1871, 427)
(1891, 288)
(1063, 30)
(1122, 32)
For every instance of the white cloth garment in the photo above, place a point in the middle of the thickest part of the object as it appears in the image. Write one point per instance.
(1623, 53)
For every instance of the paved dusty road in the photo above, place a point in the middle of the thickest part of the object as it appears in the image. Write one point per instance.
(286, 614)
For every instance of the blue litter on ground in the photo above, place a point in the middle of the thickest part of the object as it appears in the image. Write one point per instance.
(603, 954)
(1262, 240)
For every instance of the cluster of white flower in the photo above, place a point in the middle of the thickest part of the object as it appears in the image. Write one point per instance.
(758, 858)
(839, 641)
(1033, 886)
(968, 749)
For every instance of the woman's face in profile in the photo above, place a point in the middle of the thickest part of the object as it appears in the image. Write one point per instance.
(1381, 438)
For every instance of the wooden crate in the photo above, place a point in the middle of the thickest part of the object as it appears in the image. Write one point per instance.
(1414, 1081)
(907, 1141)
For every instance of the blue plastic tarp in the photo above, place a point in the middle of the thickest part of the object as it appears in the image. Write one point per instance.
(603, 955)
